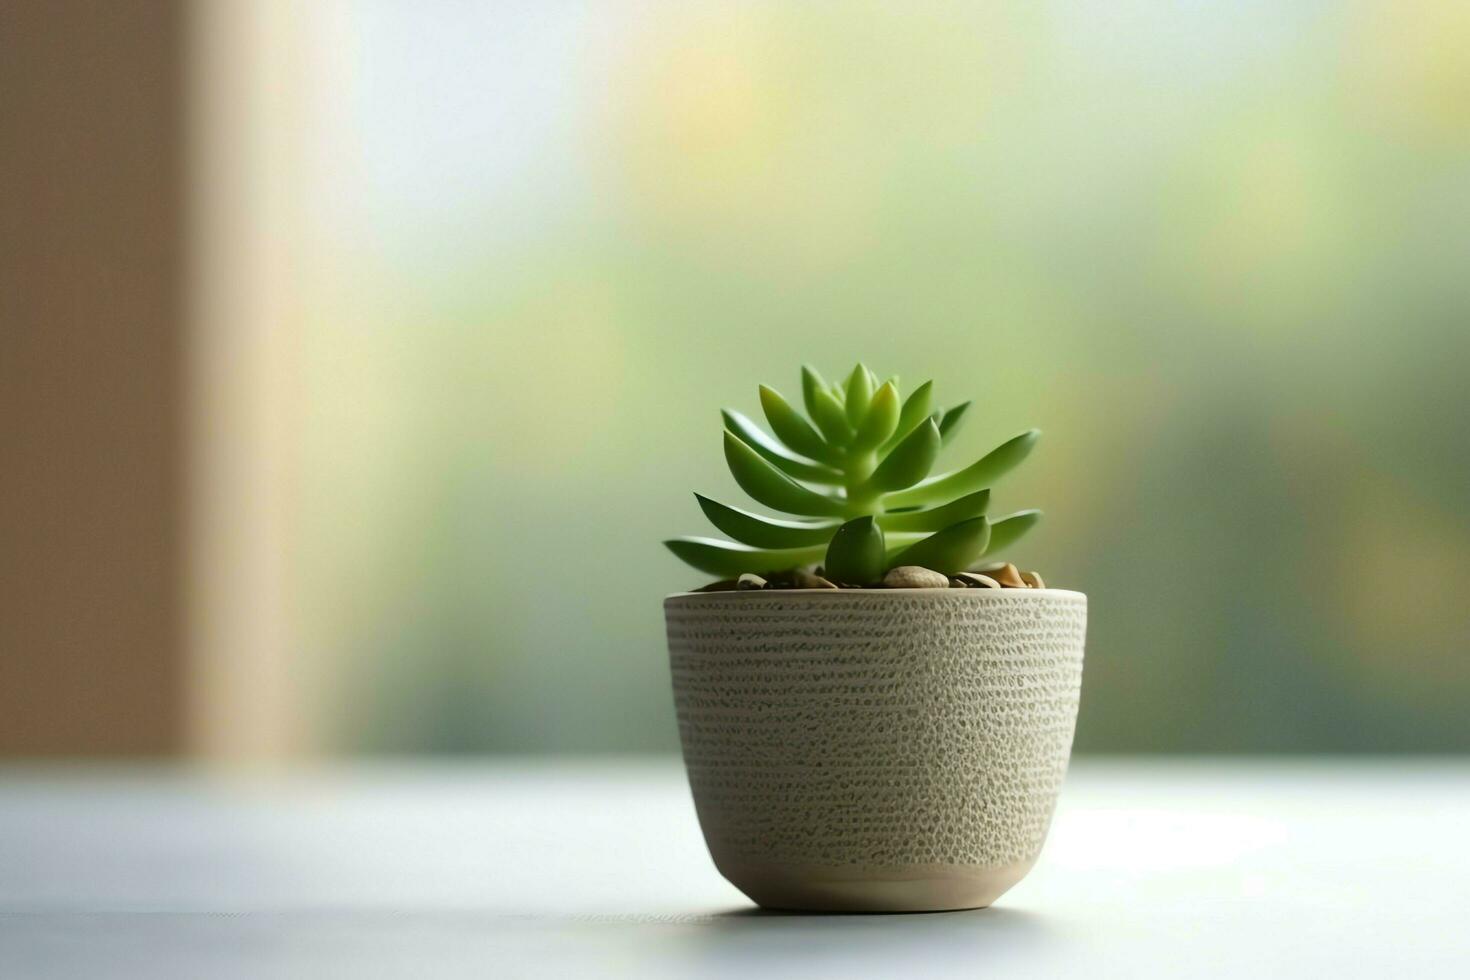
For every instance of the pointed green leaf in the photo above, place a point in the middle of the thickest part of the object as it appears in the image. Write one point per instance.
(949, 551)
(977, 476)
(950, 423)
(792, 429)
(1008, 530)
(716, 557)
(910, 460)
(915, 408)
(855, 556)
(811, 383)
(756, 438)
(827, 413)
(765, 532)
(881, 420)
(859, 394)
(937, 518)
(768, 485)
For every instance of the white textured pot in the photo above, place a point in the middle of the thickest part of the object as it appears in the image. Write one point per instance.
(876, 750)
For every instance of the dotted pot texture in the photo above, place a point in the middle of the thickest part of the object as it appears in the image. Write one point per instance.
(872, 750)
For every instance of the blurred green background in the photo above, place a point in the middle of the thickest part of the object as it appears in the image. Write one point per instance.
(1217, 252)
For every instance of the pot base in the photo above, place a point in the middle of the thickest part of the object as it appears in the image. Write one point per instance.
(914, 888)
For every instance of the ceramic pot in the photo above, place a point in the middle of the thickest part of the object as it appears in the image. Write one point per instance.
(876, 750)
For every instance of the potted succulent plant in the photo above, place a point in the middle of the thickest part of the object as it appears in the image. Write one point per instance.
(872, 720)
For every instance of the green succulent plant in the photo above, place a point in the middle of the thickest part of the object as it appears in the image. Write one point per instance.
(855, 471)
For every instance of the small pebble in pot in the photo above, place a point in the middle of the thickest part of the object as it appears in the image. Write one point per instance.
(915, 577)
(1007, 576)
(802, 579)
(748, 582)
(1033, 580)
(974, 580)
(723, 585)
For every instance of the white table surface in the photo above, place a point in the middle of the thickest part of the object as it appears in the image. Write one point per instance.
(1183, 868)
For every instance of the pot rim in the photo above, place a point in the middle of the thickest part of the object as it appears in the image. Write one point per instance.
(843, 595)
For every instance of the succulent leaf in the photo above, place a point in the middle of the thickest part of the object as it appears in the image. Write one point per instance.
(768, 485)
(856, 554)
(811, 383)
(881, 420)
(910, 461)
(976, 476)
(1008, 530)
(859, 394)
(765, 532)
(938, 518)
(950, 423)
(756, 438)
(949, 551)
(792, 429)
(830, 418)
(915, 408)
(725, 559)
